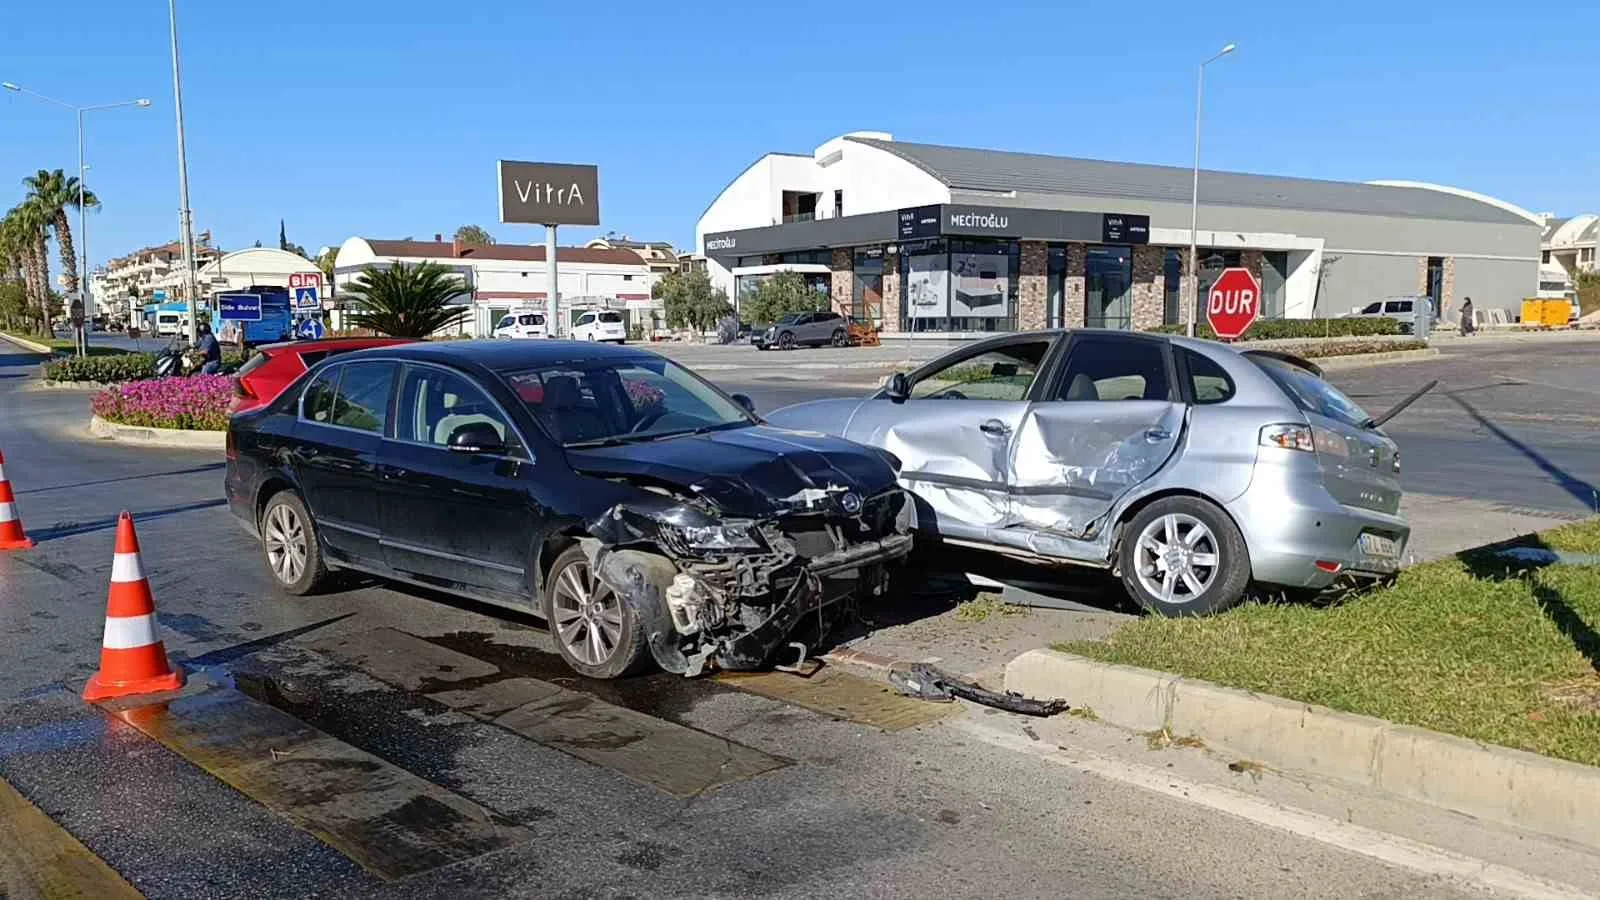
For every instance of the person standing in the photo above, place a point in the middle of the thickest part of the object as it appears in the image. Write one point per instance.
(1467, 325)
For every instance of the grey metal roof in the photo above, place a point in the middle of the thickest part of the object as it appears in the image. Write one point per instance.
(1550, 228)
(1002, 170)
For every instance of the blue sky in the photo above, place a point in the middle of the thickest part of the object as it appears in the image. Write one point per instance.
(385, 118)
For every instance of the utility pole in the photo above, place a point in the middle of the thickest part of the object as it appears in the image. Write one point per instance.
(1194, 198)
(185, 221)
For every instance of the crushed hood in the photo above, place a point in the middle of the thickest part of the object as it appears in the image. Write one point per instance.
(748, 472)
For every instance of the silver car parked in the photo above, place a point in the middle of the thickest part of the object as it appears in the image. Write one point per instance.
(1188, 468)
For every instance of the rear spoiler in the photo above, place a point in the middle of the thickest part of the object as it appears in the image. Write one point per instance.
(1289, 358)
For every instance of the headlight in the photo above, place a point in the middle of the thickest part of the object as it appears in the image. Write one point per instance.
(723, 536)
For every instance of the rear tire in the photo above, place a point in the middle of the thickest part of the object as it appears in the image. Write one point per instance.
(1183, 556)
(840, 338)
(290, 546)
(594, 630)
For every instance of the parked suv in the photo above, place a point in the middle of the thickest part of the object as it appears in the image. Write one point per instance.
(812, 329)
(521, 325)
(601, 325)
(1187, 467)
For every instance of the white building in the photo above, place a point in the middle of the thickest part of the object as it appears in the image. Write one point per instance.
(926, 238)
(1570, 243)
(146, 270)
(240, 269)
(502, 277)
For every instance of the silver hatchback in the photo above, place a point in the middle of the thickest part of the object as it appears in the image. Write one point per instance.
(1188, 468)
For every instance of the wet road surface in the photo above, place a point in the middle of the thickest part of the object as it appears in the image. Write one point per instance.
(384, 742)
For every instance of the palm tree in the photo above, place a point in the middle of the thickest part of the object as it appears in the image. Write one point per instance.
(13, 258)
(28, 227)
(407, 301)
(57, 193)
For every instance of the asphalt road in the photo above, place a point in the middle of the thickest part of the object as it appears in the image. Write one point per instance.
(848, 794)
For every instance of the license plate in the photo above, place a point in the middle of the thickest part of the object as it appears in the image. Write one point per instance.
(1378, 545)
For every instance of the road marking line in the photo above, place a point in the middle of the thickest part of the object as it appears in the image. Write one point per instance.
(39, 858)
(387, 820)
(1382, 846)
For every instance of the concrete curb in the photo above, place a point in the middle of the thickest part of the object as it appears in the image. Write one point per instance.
(31, 346)
(1511, 787)
(157, 437)
(1361, 360)
(43, 385)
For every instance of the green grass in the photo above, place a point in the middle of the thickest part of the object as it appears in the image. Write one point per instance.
(1473, 646)
(65, 345)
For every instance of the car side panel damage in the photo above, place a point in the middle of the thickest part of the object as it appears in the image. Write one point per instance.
(728, 592)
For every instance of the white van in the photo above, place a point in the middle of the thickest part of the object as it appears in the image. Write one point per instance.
(521, 325)
(600, 325)
(171, 323)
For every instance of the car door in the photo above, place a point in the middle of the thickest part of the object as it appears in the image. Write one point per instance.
(1110, 419)
(451, 517)
(953, 434)
(343, 413)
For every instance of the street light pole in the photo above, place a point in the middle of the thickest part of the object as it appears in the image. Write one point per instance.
(185, 222)
(83, 224)
(1194, 198)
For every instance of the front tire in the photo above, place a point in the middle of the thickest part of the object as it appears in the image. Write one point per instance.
(594, 630)
(786, 341)
(1183, 556)
(840, 339)
(290, 546)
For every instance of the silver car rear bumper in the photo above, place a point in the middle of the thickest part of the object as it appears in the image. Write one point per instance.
(1293, 525)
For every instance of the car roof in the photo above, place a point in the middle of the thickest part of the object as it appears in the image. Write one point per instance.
(334, 343)
(505, 356)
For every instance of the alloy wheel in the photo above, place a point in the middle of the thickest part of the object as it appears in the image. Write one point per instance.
(285, 538)
(587, 614)
(1177, 558)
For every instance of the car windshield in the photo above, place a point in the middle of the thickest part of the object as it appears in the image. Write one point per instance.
(614, 401)
(1312, 393)
(790, 319)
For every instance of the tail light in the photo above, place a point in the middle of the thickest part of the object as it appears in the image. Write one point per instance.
(242, 395)
(1288, 436)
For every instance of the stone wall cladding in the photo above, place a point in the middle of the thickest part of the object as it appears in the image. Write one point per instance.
(1422, 276)
(1072, 301)
(1188, 308)
(1448, 292)
(1149, 287)
(1032, 286)
(891, 291)
(844, 284)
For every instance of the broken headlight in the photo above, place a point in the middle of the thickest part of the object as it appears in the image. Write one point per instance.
(732, 534)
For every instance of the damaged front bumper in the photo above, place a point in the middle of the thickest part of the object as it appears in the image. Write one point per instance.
(734, 608)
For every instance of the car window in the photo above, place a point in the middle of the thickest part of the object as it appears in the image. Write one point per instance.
(310, 358)
(362, 400)
(611, 317)
(316, 404)
(1312, 393)
(1208, 381)
(586, 318)
(1373, 308)
(1400, 306)
(260, 359)
(507, 322)
(1115, 369)
(617, 401)
(435, 403)
(1005, 373)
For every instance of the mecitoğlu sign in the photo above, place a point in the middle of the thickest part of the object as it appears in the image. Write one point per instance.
(549, 193)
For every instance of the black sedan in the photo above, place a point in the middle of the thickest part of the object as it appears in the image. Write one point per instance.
(639, 510)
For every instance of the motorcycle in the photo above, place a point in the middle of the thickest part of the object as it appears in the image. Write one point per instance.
(175, 359)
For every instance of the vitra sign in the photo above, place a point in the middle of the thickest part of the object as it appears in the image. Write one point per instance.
(549, 193)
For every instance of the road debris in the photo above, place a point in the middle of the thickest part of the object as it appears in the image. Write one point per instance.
(928, 683)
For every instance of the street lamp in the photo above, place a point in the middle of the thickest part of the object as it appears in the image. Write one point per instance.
(185, 220)
(1194, 197)
(83, 226)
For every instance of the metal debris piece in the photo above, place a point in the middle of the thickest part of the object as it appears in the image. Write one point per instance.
(928, 683)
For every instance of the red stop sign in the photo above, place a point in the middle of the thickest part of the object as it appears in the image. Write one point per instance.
(1234, 303)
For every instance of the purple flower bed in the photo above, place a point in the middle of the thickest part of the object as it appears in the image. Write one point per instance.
(195, 402)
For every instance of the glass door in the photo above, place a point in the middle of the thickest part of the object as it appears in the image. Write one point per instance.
(1108, 283)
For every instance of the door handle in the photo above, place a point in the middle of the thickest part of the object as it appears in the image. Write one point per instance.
(392, 472)
(1155, 435)
(995, 427)
(304, 453)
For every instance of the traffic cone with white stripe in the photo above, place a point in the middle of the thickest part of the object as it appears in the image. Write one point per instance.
(11, 535)
(132, 659)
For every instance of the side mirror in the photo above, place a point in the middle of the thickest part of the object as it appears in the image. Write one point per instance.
(476, 437)
(898, 389)
(745, 401)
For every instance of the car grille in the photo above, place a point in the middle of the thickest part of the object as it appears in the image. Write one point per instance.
(876, 520)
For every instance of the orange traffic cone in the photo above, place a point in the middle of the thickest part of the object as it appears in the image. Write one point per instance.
(132, 659)
(11, 536)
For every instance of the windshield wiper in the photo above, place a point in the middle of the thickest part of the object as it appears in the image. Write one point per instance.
(620, 439)
(1400, 407)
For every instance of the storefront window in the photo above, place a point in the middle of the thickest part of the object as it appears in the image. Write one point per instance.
(1055, 304)
(1274, 276)
(866, 302)
(1172, 308)
(972, 287)
(1108, 283)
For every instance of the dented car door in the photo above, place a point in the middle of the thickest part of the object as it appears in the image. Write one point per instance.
(955, 433)
(1108, 422)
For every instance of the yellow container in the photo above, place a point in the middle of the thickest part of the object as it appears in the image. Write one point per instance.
(1557, 313)
(1532, 311)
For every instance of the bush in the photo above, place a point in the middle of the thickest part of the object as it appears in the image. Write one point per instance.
(103, 369)
(1354, 348)
(1287, 329)
(195, 402)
